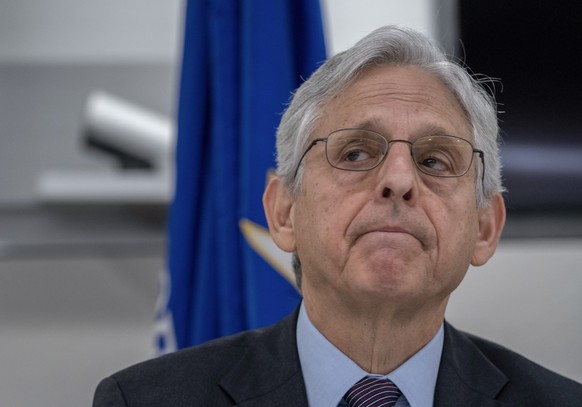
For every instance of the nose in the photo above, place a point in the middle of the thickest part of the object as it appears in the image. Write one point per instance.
(397, 176)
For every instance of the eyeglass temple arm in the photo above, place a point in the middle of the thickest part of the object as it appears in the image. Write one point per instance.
(313, 143)
(481, 155)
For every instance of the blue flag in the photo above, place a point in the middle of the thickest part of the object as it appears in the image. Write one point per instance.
(241, 61)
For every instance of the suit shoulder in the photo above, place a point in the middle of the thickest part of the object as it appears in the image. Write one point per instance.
(201, 375)
(526, 374)
(209, 357)
(188, 374)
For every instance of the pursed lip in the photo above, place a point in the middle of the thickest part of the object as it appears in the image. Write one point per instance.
(388, 229)
(391, 229)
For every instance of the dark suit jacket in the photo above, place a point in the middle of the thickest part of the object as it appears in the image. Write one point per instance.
(261, 368)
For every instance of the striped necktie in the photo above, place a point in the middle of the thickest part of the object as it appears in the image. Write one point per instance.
(372, 392)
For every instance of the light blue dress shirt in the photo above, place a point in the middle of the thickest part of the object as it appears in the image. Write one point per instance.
(329, 373)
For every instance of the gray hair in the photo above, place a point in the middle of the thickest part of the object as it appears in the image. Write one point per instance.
(391, 46)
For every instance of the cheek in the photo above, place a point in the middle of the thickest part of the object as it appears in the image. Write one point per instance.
(328, 203)
(440, 188)
(457, 237)
(312, 216)
(322, 216)
(450, 218)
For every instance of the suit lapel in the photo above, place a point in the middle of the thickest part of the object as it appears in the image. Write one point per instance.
(269, 373)
(466, 377)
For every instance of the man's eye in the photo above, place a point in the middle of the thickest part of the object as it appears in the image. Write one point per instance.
(434, 164)
(356, 155)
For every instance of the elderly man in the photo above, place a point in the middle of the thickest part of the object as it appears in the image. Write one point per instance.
(388, 187)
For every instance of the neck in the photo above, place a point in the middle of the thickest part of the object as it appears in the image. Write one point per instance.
(378, 339)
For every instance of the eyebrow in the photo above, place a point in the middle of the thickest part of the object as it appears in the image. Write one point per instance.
(370, 124)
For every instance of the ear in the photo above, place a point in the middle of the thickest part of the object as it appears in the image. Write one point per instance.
(491, 222)
(279, 205)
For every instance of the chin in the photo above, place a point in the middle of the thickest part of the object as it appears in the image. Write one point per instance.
(390, 282)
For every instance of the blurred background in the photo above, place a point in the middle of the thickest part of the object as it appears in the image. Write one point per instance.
(83, 223)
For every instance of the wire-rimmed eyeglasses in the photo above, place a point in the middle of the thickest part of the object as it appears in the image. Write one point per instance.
(441, 156)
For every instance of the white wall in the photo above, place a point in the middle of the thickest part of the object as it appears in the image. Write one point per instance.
(528, 297)
(348, 20)
(83, 30)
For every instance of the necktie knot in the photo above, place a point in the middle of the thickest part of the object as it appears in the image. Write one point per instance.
(372, 392)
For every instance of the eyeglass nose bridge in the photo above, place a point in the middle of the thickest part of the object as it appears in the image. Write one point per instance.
(388, 147)
(391, 142)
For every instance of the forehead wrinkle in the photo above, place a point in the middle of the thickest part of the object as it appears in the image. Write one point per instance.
(441, 124)
(409, 92)
(430, 96)
(377, 92)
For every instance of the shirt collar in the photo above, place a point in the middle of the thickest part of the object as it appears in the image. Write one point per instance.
(329, 373)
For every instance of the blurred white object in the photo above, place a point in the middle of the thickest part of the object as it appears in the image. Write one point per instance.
(139, 138)
(122, 126)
